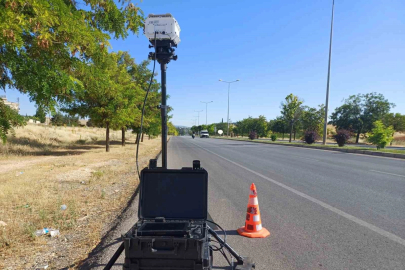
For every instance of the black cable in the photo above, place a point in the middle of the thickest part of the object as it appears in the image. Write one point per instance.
(143, 111)
(226, 257)
(216, 247)
(219, 228)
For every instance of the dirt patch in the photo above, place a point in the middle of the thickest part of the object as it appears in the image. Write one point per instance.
(6, 166)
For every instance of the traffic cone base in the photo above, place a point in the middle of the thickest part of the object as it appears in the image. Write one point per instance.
(263, 233)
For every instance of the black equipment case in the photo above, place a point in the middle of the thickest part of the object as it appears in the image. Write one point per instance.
(171, 232)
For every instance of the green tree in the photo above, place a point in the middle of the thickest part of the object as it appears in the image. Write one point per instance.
(221, 126)
(278, 125)
(397, 121)
(171, 129)
(290, 110)
(194, 129)
(211, 129)
(380, 135)
(43, 41)
(59, 119)
(141, 75)
(108, 94)
(312, 119)
(259, 125)
(129, 110)
(359, 112)
(41, 114)
(9, 118)
(240, 128)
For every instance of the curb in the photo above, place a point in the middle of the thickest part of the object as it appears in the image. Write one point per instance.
(353, 151)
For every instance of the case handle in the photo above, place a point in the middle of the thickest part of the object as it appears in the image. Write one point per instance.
(164, 251)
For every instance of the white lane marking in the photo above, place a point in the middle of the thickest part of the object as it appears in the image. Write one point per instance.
(388, 173)
(363, 223)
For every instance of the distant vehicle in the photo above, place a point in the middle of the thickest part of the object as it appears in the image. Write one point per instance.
(204, 134)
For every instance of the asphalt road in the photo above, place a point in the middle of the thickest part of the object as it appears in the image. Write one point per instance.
(324, 210)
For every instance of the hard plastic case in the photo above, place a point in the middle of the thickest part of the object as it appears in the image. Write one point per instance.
(187, 251)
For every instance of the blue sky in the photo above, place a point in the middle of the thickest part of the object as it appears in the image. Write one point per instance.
(275, 48)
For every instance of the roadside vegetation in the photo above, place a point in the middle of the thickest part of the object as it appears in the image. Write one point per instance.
(58, 53)
(363, 118)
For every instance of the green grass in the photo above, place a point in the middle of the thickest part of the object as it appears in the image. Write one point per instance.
(393, 151)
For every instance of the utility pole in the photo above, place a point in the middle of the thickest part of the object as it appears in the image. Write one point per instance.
(206, 110)
(199, 116)
(229, 87)
(325, 126)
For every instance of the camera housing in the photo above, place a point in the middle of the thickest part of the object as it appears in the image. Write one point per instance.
(164, 25)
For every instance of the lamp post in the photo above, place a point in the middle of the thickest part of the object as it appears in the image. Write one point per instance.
(325, 126)
(198, 116)
(229, 86)
(206, 110)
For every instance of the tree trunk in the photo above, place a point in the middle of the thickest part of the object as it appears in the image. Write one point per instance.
(148, 136)
(142, 137)
(295, 132)
(291, 131)
(107, 138)
(283, 135)
(123, 137)
(137, 138)
(358, 136)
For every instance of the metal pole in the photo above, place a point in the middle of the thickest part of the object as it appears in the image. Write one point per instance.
(163, 112)
(327, 84)
(206, 114)
(227, 132)
(199, 116)
(114, 258)
(229, 86)
(206, 111)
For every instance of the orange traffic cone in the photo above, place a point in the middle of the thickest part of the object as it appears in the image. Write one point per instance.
(253, 224)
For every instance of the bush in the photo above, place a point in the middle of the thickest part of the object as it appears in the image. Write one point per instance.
(252, 135)
(380, 135)
(81, 141)
(342, 136)
(273, 137)
(311, 136)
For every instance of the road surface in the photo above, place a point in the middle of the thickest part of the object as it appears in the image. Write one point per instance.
(324, 209)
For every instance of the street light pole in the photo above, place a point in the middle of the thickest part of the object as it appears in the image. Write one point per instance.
(199, 116)
(206, 111)
(198, 120)
(229, 87)
(325, 126)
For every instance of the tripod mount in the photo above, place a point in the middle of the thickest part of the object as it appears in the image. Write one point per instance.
(154, 242)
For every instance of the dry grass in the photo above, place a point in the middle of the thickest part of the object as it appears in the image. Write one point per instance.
(93, 184)
(399, 139)
(48, 140)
